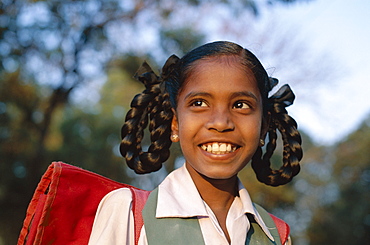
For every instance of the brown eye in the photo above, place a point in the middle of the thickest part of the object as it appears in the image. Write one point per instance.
(199, 103)
(241, 105)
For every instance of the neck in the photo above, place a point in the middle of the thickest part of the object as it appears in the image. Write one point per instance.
(217, 193)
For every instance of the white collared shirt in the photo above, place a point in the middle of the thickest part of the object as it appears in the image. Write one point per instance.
(177, 197)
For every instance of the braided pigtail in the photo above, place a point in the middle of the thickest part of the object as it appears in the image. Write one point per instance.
(153, 106)
(292, 152)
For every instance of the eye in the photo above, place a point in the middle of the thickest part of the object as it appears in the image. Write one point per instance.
(199, 103)
(241, 105)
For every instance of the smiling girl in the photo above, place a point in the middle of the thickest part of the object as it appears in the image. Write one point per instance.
(214, 102)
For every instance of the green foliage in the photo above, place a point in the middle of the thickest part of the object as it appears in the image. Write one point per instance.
(179, 40)
(87, 137)
(347, 219)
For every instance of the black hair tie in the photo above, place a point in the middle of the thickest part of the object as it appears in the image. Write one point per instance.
(284, 96)
(146, 75)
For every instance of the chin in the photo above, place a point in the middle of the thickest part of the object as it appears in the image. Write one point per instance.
(220, 176)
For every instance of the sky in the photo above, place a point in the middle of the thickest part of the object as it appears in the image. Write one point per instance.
(341, 29)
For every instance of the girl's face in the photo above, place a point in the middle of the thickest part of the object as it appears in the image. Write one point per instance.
(218, 117)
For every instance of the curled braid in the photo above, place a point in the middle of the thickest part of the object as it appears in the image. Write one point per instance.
(292, 152)
(153, 106)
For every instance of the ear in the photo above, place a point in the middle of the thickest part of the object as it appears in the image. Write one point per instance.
(174, 127)
(265, 125)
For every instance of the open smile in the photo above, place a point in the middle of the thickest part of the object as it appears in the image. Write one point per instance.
(219, 148)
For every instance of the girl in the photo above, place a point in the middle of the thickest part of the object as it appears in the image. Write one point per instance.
(214, 102)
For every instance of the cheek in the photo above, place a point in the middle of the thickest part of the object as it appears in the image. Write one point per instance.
(188, 124)
(252, 129)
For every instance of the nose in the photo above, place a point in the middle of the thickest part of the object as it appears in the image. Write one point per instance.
(220, 121)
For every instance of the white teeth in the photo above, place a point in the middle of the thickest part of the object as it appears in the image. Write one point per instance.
(219, 148)
(215, 147)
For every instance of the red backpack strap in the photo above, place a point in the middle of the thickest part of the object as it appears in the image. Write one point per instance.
(282, 227)
(63, 207)
(139, 198)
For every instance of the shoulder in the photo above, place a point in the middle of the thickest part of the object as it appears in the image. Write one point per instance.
(120, 197)
(113, 217)
(281, 228)
(118, 194)
(289, 241)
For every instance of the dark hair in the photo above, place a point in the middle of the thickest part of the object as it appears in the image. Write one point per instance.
(160, 96)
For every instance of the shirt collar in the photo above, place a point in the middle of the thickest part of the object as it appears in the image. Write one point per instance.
(248, 207)
(176, 199)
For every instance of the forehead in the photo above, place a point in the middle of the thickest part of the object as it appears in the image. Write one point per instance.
(220, 73)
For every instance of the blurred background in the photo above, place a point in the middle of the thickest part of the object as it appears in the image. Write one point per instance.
(66, 83)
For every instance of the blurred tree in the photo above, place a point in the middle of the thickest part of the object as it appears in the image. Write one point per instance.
(346, 219)
(52, 43)
(57, 52)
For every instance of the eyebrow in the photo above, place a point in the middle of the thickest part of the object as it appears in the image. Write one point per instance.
(234, 95)
(196, 94)
(244, 94)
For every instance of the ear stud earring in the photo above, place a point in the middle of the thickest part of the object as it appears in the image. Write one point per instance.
(174, 137)
(262, 142)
